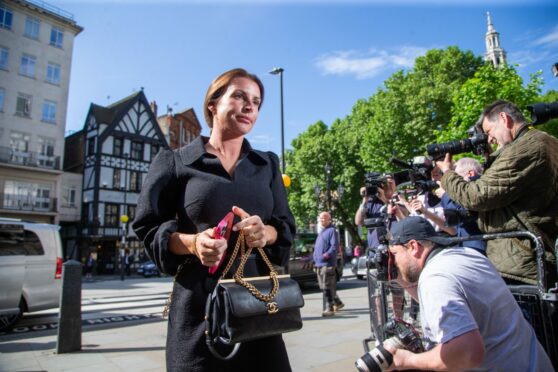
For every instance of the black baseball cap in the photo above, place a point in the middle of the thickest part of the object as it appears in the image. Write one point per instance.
(417, 228)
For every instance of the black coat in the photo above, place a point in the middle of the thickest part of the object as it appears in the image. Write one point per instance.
(189, 191)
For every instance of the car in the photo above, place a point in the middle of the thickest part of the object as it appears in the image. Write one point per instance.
(301, 262)
(358, 267)
(148, 269)
(30, 269)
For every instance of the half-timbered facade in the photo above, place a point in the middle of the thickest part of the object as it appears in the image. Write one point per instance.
(119, 142)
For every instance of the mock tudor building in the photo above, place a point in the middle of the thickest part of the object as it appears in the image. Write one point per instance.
(113, 151)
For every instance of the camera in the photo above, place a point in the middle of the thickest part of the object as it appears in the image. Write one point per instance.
(456, 217)
(373, 181)
(543, 112)
(477, 143)
(403, 336)
(379, 258)
(418, 173)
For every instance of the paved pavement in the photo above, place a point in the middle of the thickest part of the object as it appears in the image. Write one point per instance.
(323, 344)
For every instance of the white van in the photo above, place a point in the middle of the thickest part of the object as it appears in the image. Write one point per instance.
(30, 268)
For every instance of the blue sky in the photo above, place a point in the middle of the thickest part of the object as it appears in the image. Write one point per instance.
(333, 52)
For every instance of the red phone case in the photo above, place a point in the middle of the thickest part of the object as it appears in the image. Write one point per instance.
(223, 230)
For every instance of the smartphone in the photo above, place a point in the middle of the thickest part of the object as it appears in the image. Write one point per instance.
(223, 230)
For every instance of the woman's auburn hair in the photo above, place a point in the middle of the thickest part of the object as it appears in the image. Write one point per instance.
(220, 84)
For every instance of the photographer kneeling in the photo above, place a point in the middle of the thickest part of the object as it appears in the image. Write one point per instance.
(466, 309)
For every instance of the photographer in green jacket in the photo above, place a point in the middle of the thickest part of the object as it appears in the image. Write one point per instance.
(517, 192)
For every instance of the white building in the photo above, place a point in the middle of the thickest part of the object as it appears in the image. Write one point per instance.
(494, 52)
(36, 43)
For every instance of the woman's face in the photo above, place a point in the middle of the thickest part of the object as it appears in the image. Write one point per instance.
(236, 111)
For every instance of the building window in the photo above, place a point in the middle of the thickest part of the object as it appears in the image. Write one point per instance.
(27, 66)
(19, 148)
(91, 146)
(116, 179)
(4, 58)
(2, 98)
(32, 26)
(49, 111)
(118, 146)
(6, 17)
(69, 196)
(135, 181)
(154, 150)
(27, 196)
(111, 214)
(46, 152)
(53, 73)
(23, 105)
(137, 150)
(56, 37)
(131, 212)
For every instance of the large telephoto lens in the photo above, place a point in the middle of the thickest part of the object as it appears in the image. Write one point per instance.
(438, 150)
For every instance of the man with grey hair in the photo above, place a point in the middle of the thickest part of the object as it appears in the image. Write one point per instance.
(466, 310)
(517, 192)
(465, 221)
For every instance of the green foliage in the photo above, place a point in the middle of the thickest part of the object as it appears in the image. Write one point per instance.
(436, 101)
(552, 126)
(487, 85)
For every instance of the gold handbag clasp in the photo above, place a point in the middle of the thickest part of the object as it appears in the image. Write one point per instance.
(272, 307)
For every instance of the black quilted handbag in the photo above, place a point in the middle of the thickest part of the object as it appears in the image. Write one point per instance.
(238, 310)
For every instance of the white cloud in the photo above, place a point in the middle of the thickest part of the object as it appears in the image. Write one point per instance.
(369, 64)
(551, 38)
(524, 58)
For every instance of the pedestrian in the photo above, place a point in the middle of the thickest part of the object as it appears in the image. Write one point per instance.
(325, 263)
(89, 263)
(186, 193)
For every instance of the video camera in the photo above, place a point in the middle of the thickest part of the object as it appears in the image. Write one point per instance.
(417, 174)
(373, 181)
(477, 143)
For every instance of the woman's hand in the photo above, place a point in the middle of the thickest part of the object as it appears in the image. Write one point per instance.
(209, 250)
(256, 233)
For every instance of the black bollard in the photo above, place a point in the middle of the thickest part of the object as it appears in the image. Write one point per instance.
(69, 318)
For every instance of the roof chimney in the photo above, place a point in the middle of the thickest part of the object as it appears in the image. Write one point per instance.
(153, 106)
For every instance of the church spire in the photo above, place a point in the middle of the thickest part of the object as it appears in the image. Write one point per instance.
(494, 53)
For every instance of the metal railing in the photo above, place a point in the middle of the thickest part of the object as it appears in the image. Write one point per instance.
(52, 9)
(27, 203)
(28, 159)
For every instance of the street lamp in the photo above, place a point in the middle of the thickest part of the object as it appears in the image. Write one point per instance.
(329, 195)
(124, 217)
(279, 71)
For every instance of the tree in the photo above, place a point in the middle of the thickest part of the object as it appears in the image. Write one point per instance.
(413, 105)
(550, 127)
(486, 86)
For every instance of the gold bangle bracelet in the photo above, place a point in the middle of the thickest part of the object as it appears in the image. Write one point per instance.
(194, 242)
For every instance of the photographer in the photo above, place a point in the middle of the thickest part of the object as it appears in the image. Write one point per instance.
(465, 222)
(466, 309)
(378, 206)
(517, 192)
(428, 205)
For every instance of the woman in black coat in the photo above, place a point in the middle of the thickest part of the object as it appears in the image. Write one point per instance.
(186, 193)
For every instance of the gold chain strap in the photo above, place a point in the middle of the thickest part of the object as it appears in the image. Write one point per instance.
(238, 276)
(169, 299)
